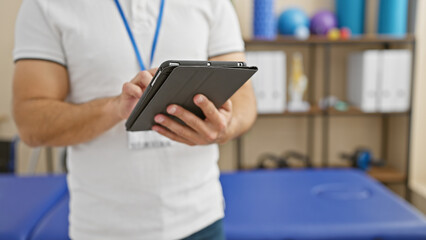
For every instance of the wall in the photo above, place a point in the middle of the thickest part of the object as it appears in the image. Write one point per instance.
(8, 11)
(418, 138)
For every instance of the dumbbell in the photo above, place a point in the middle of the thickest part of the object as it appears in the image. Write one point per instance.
(362, 159)
(269, 160)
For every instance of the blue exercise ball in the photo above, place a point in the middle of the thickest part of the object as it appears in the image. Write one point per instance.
(292, 19)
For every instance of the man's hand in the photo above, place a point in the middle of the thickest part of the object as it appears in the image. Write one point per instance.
(231, 120)
(132, 91)
(213, 129)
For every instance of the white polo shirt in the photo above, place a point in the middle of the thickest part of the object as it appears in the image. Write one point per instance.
(118, 193)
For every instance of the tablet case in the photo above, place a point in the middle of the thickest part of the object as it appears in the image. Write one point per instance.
(179, 84)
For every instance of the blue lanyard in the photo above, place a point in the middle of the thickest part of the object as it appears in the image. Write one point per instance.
(132, 39)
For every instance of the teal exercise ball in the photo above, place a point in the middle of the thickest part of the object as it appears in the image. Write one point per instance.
(292, 19)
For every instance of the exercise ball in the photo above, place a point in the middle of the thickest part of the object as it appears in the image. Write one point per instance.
(302, 33)
(292, 19)
(322, 22)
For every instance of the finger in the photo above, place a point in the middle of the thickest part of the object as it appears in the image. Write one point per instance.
(227, 106)
(171, 135)
(178, 129)
(142, 79)
(192, 121)
(152, 71)
(132, 90)
(210, 111)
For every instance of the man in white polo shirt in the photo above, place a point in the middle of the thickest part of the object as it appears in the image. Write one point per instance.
(77, 80)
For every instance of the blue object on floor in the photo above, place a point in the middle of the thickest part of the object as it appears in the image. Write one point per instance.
(24, 201)
(315, 204)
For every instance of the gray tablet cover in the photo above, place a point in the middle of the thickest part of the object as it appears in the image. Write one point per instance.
(184, 82)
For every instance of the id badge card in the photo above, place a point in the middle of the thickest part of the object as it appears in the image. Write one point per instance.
(147, 139)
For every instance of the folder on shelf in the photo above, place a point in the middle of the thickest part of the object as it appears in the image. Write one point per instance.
(363, 75)
(396, 81)
(252, 58)
(380, 80)
(386, 82)
(269, 83)
(277, 65)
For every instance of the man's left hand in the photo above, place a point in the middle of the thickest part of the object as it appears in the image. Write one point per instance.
(213, 129)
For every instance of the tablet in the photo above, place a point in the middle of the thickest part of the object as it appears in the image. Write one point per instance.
(177, 82)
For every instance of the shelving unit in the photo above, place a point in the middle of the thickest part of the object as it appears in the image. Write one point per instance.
(385, 174)
(317, 111)
(366, 39)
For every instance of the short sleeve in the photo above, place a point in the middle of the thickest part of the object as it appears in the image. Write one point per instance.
(35, 35)
(225, 34)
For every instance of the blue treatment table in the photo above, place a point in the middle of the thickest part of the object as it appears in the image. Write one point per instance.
(24, 201)
(54, 226)
(315, 204)
(282, 204)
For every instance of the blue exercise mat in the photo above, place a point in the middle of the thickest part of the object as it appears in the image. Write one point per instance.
(315, 204)
(24, 201)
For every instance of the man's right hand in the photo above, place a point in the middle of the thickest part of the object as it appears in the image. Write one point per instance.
(132, 91)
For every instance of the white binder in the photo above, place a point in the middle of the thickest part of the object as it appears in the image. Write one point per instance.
(278, 76)
(386, 82)
(363, 79)
(380, 80)
(397, 80)
(269, 83)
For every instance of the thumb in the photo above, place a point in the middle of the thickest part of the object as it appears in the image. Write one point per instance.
(152, 71)
(142, 79)
(130, 90)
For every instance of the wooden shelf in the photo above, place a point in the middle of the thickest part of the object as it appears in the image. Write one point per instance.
(387, 175)
(313, 111)
(354, 111)
(366, 39)
(316, 111)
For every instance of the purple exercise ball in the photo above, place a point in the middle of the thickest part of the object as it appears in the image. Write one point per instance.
(322, 22)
